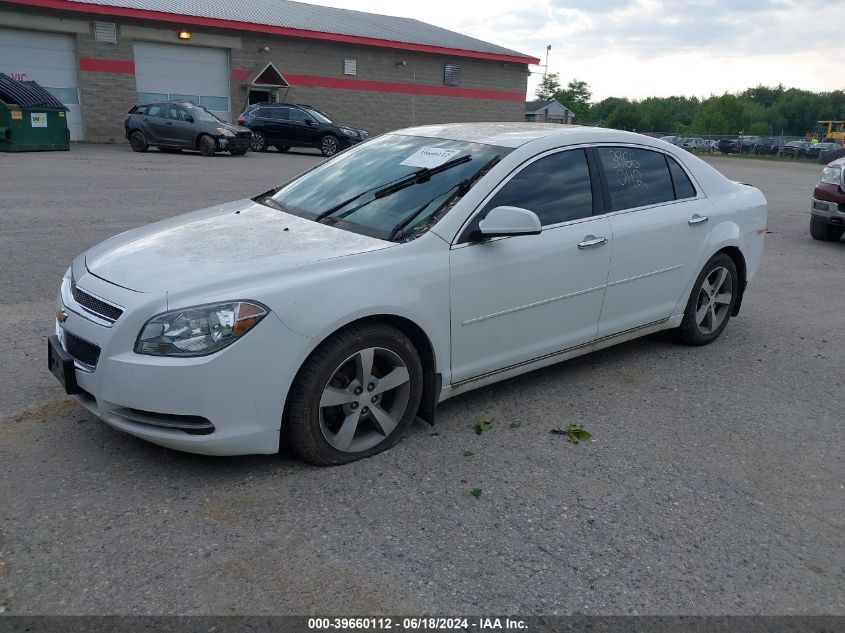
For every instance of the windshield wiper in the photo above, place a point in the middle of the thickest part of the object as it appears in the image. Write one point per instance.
(421, 175)
(462, 187)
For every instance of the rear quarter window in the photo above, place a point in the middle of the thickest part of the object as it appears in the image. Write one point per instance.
(683, 185)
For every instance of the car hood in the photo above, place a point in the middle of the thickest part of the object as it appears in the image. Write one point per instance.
(240, 240)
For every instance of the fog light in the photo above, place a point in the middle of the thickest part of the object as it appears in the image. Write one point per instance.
(820, 206)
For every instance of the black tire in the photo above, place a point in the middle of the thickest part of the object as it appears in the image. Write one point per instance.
(302, 426)
(282, 148)
(206, 145)
(690, 332)
(237, 152)
(138, 142)
(329, 145)
(824, 231)
(259, 142)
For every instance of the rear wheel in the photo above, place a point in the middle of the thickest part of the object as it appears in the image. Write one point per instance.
(711, 303)
(259, 142)
(207, 146)
(824, 231)
(329, 145)
(138, 142)
(354, 396)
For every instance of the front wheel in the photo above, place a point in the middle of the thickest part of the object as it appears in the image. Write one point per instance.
(329, 145)
(821, 230)
(711, 303)
(138, 142)
(207, 146)
(354, 396)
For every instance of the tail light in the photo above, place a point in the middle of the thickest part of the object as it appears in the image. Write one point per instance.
(241, 120)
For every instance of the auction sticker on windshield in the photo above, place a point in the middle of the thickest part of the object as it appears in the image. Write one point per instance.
(429, 157)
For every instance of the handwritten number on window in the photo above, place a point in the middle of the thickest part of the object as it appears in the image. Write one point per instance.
(627, 169)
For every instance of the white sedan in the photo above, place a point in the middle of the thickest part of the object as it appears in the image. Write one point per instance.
(329, 312)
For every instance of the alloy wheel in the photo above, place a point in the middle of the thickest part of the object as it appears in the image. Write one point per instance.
(258, 143)
(328, 146)
(714, 300)
(364, 400)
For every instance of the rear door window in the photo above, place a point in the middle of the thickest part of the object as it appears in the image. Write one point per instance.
(635, 177)
(155, 110)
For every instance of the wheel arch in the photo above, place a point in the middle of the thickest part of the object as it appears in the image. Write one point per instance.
(432, 379)
(742, 270)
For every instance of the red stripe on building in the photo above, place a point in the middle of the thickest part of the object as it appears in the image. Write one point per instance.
(119, 66)
(185, 20)
(313, 81)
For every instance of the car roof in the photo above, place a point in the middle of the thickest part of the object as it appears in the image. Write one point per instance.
(515, 134)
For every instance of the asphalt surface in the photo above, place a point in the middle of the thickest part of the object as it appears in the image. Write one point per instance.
(714, 482)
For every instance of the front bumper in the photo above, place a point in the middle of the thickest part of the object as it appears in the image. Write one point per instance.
(235, 398)
(828, 204)
(241, 141)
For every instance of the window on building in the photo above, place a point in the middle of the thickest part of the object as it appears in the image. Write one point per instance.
(636, 177)
(350, 66)
(556, 187)
(452, 75)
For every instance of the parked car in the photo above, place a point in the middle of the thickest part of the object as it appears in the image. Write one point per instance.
(765, 146)
(286, 125)
(328, 312)
(696, 144)
(178, 125)
(795, 149)
(674, 140)
(741, 144)
(815, 151)
(827, 211)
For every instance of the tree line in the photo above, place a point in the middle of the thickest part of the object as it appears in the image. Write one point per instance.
(762, 111)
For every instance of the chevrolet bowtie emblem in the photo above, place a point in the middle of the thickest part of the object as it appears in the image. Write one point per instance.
(61, 315)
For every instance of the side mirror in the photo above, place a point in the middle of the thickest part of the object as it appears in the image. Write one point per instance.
(190, 119)
(504, 221)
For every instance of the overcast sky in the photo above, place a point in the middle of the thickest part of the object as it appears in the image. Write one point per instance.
(640, 48)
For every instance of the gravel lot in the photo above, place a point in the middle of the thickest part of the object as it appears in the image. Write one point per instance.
(714, 484)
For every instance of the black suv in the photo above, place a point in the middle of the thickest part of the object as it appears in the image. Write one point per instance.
(286, 125)
(183, 125)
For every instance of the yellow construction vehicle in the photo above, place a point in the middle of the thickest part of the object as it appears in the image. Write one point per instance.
(830, 131)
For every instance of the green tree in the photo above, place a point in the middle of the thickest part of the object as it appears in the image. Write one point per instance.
(549, 87)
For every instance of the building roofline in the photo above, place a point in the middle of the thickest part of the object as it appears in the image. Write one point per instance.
(185, 20)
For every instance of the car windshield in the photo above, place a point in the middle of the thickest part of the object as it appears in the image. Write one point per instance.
(322, 118)
(392, 187)
(201, 114)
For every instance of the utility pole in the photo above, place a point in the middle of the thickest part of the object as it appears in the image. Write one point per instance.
(546, 67)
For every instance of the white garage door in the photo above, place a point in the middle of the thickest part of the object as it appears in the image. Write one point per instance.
(168, 71)
(49, 59)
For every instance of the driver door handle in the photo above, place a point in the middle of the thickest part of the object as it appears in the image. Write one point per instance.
(591, 241)
(697, 219)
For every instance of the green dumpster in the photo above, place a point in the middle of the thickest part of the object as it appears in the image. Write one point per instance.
(31, 119)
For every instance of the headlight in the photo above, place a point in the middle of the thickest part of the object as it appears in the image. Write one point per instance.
(832, 175)
(224, 132)
(198, 331)
(349, 131)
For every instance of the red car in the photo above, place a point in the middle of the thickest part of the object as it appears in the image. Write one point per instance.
(827, 219)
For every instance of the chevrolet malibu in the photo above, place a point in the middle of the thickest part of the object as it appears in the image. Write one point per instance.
(331, 311)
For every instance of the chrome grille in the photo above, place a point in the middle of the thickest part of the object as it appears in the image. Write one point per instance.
(87, 354)
(93, 304)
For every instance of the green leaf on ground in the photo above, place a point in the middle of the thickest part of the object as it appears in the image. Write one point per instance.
(482, 426)
(516, 424)
(574, 433)
(475, 492)
(468, 453)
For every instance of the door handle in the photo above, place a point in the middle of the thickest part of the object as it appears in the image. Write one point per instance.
(591, 241)
(168, 123)
(697, 219)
